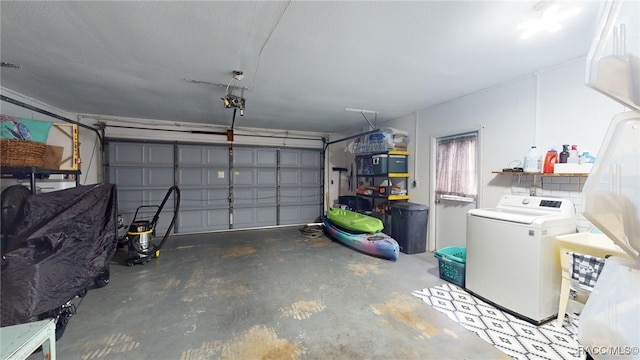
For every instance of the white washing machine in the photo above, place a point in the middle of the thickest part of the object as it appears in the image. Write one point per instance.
(512, 261)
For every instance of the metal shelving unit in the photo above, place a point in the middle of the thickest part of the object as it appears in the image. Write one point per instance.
(34, 172)
(364, 171)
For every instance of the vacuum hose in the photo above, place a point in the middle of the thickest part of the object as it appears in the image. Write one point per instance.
(152, 250)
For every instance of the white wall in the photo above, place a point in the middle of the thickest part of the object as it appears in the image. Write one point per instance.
(570, 112)
(548, 109)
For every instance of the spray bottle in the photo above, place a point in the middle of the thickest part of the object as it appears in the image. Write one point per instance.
(564, 155)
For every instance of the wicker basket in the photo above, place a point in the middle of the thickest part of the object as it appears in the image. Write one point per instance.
(21, 153)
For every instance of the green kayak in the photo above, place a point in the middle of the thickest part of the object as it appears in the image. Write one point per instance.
(353, 221)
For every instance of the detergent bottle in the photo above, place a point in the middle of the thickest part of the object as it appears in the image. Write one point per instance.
(533, 160)
(549, 160)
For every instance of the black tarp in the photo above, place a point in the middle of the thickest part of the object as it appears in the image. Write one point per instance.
(64, 241)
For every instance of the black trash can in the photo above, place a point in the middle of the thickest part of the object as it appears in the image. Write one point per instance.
(409, 226)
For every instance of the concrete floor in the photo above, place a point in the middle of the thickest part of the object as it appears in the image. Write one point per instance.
(266, 294)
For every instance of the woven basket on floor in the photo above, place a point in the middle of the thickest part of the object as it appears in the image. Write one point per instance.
(21, 153)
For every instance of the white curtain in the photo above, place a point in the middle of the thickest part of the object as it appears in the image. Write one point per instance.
(456, 167)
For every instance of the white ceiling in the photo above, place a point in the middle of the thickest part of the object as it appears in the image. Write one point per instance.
(304, 61)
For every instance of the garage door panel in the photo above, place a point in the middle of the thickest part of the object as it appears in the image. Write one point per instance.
(160, 177)
(245, 196)
(311, 159)
(267, 177)
(252, 217)
(156, 196)
(217, 176)
(258, 157)
(254, 196)
(300, 158)
(197, 155)
(218, 219)
(204, 198)
(198, 220)
(217, 197)
(164, 221)
(310, 195)
(289, 177)
(300, 177)
(300, 195)
(310, 177)
(125, 153)
(271, 186)
(191, 199)
(289, 195)
(244, 177)
(246, 157)
(130, 199)
(267, 157)
(217, 155)
(128, 176)
(202, 177)
(289, 158)
(299, 214)
(191, 155)
(255, 177)
(160, 154)
(267, 197)
(192, 220)
(141, 177)
(190, 177)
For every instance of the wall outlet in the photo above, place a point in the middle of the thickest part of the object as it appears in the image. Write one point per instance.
(532, 191)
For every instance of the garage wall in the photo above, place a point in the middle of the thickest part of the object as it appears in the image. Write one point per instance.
(548, 109)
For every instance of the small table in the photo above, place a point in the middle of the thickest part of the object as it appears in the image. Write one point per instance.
(598, 245)
(17, 342)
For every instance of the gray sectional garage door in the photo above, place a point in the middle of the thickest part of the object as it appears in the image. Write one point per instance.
(246, 187)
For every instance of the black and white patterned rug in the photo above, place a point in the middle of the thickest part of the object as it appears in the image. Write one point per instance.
(516, 338)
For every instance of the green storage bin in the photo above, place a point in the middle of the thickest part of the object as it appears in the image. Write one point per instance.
(451, 263)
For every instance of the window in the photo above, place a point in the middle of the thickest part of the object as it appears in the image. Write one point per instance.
(456, 167)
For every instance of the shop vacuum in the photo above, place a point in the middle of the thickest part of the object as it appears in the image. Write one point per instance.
(140, 234)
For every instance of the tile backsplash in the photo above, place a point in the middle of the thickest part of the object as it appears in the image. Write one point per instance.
(566, 187)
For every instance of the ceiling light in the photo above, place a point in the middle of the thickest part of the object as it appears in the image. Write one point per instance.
(549, 21)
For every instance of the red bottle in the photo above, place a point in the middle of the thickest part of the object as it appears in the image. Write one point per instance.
(549, 160)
